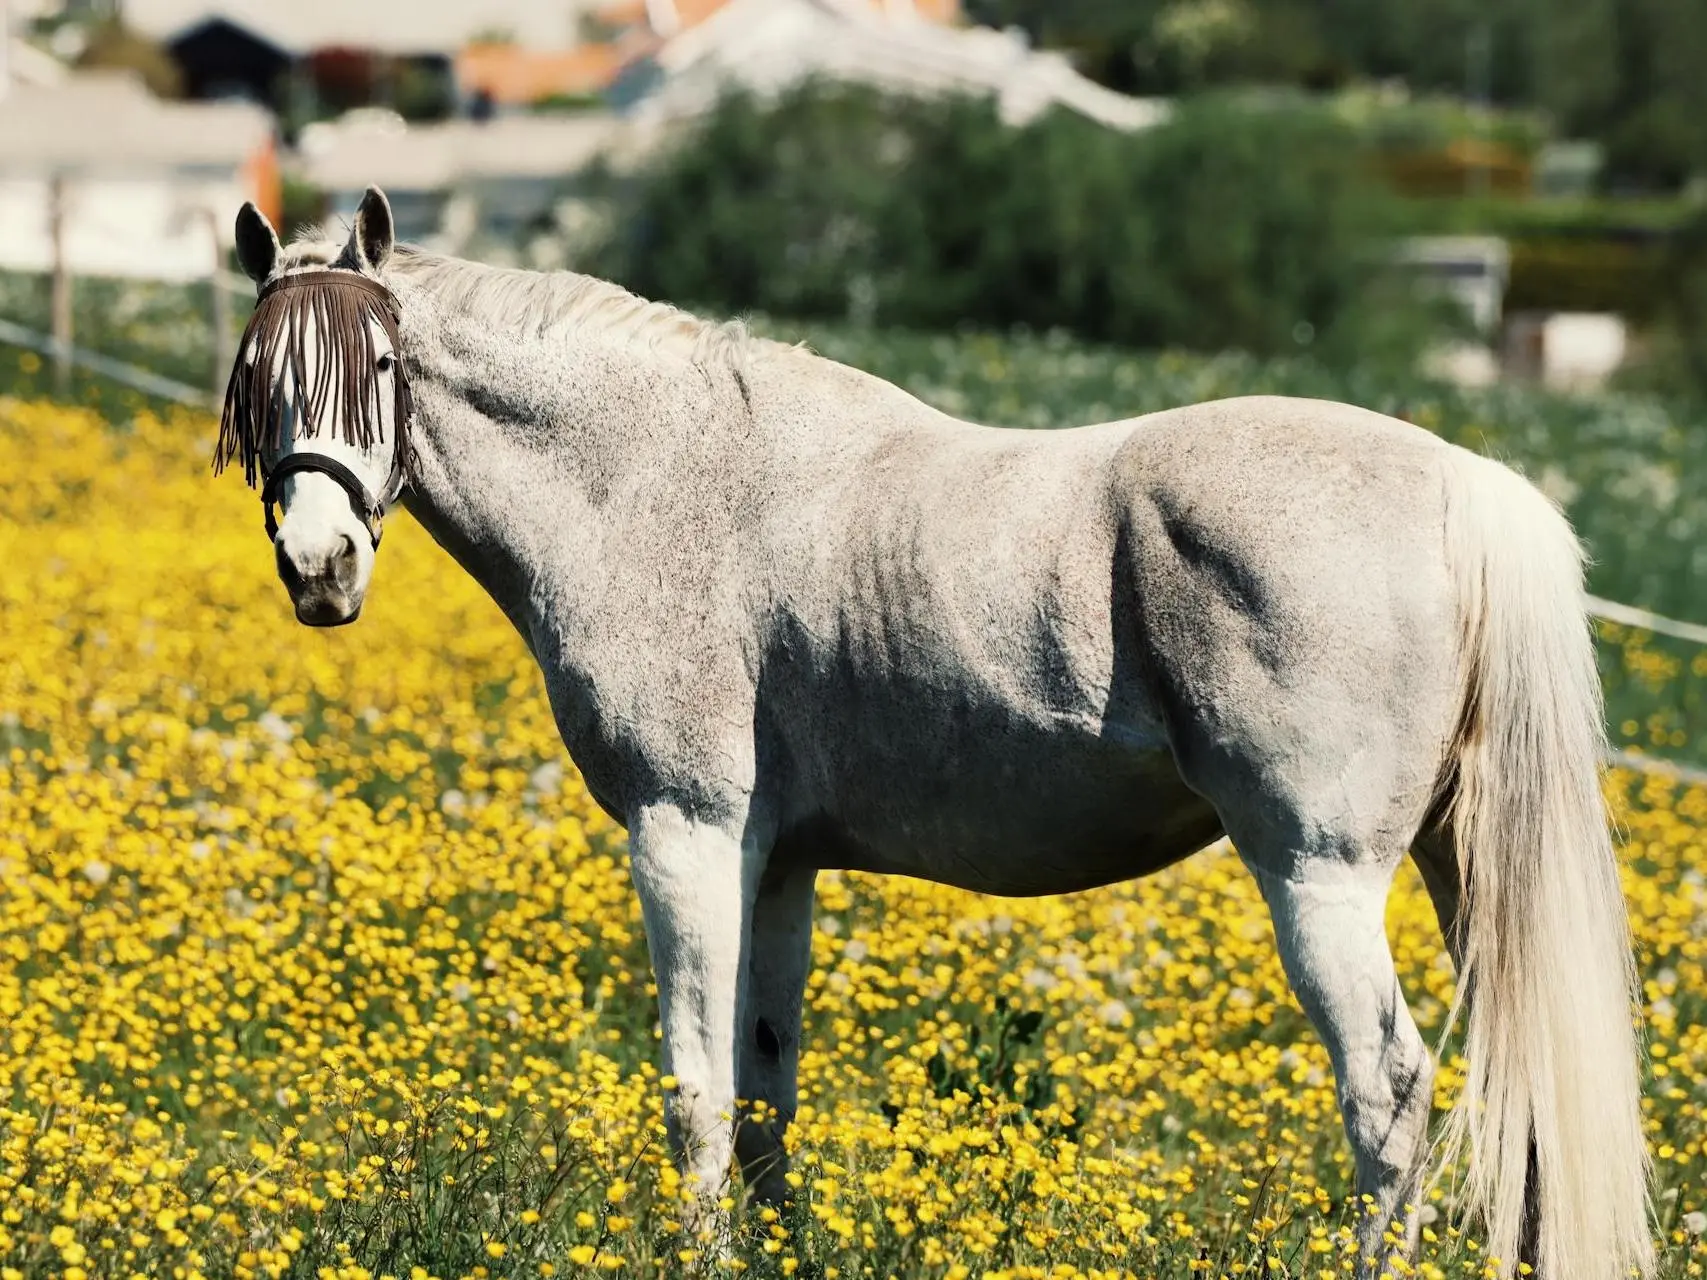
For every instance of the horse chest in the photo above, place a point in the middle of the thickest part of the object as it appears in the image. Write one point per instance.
(648, 729)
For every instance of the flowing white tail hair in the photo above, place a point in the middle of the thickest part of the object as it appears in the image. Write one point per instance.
(1547, 981)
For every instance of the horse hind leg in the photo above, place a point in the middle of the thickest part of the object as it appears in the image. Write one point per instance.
(1437, 862)
(779, 958)
(1329, 922)
(1436, 857)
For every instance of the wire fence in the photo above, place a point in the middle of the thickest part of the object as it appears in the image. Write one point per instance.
(119, 371)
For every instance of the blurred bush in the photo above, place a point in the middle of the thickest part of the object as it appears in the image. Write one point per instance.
(1460, 165)
(305, 205)
(1675, 362)
(1574, 254)
(1625, 73)
(1228, 226)
(1602, 273)
(112, 46)
(422, 89)
(1398, 123)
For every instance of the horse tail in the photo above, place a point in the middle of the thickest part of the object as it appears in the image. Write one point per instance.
(1546, 979)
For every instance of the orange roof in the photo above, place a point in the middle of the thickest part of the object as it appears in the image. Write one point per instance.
(943, 11)
(632, 13)
(513, 76)
(622, 13)
(691, 13)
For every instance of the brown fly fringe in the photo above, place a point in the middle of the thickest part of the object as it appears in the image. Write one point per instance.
(327, 315)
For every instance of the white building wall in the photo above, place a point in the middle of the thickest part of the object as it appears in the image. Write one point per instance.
(160, 228)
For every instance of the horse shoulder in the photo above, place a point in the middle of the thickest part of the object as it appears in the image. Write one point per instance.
(653, 697)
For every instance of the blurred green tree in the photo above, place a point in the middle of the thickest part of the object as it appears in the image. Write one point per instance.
(113, 46)
(1229, 226)
(1625, 72)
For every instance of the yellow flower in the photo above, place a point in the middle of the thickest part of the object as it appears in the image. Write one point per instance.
(304, 929)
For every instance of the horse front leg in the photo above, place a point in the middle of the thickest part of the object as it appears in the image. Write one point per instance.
(779, 957)
(696, 883)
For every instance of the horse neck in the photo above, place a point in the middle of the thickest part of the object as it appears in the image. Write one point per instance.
(531, 448)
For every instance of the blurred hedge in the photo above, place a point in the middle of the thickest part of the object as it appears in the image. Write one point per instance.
(1631, 277)
(1676, 362)
(1585, 254)
(1456, 168)
(1228, 226)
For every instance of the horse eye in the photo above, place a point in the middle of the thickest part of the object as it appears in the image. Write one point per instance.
(387, 362)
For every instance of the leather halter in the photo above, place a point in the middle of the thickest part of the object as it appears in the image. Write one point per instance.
(369, 508)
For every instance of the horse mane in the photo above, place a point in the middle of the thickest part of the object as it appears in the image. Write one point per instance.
(562, 302)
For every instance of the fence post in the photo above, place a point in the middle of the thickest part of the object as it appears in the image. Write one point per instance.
(63, 332)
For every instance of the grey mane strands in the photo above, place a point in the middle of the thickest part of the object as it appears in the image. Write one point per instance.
(327, 314)
(565, 300)
(558, 301)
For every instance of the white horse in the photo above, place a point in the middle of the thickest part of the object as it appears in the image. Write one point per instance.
(790, 618)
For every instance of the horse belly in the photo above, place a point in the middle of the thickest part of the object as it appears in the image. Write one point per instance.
(1054, 818)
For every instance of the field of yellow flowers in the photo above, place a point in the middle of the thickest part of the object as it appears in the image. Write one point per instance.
(316, 960)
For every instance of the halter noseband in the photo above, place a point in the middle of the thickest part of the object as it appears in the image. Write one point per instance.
(369, 508)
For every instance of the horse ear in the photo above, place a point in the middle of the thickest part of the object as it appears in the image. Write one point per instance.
(257, 243)
(374, 234)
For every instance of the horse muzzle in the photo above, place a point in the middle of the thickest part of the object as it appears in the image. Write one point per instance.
(324, 588)
(326, 609)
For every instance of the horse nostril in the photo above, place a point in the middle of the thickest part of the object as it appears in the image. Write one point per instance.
(348, 550)
(288, 572)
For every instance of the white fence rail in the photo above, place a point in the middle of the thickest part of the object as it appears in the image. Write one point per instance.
(1621, 759)
(129, 374)
(1630, 616)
